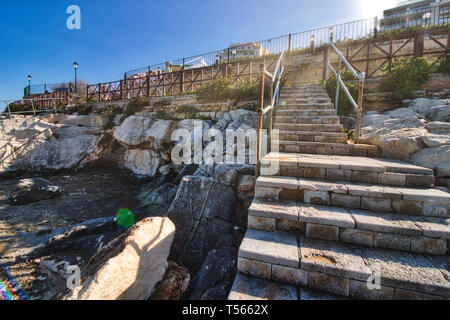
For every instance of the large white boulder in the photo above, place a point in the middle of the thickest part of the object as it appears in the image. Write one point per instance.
(144, 132)
(129, 267)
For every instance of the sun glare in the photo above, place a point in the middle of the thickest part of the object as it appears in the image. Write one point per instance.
(372, 8)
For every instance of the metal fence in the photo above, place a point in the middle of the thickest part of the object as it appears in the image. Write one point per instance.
(45, 88)
(51, 102)
(185, 74)
(250, 50)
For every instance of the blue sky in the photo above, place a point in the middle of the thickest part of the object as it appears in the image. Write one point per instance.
(118, 35)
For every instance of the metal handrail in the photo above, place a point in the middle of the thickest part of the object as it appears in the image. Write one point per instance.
(275, 78)
(358, 106)
(34, 111)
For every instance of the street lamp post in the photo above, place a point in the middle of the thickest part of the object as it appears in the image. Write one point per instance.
(75, 66)
(29, 85)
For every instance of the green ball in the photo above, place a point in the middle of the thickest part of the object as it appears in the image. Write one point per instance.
(125, 218)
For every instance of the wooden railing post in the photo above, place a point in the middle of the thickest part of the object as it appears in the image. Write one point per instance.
(99, 92)
(260, 121)
(148, 85)
(360, 108)
(121, 89)
(270, 124)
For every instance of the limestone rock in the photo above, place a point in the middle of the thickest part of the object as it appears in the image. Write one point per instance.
(243, 116)
(440, 113)
(437, 158)
(143, 131)
(438, 127)
(142, 162)
(129, 267)
(33, 190)
(173, 285)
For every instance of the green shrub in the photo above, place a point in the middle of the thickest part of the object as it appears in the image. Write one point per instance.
(405, 76)
(112, 112)
(345, 107)
(218, 89)
(443, 64)
(246, 90)
(135, 105)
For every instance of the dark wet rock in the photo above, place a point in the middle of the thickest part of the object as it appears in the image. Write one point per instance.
(202, 210)
(229, 174)
(33, 190)
(213, 281)
(83, 239)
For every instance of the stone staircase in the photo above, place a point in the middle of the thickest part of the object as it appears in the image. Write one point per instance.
(332, 216)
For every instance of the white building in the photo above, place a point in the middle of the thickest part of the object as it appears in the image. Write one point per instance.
(415, 13)
(242, 50)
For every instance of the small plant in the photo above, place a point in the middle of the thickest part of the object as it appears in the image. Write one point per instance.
(135, 105)
(163, 115)
(350, 134)
(345, 107)
(443, 64)
(405, 76)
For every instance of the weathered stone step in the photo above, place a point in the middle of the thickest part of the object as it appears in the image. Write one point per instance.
(304, 96)
(305, 106)
(306, 113)
(311, 136)
(310, 127)
(307, 120)
(380, 230)
(343, 269)
(351, 169)
(252, 288)
(401, 200)
(325, 148)
(304, 101)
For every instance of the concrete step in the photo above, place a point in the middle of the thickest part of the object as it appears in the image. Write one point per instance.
(252, 288)
(351, 169)
(306, 113)
(305, 106)
(304, 95)
(310, 127)
(311, 136)
(389, 199)
(307, 120)
(325, 148)
(389, 231)
(343, 269)
(300, 101)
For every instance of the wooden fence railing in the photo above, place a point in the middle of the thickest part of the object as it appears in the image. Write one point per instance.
(178, 82)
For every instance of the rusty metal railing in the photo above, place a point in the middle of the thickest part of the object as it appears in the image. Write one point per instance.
(275, 89)
(358, 106)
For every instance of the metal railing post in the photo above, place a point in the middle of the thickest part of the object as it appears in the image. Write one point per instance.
(260, 121)
(338, 86)
(9, 110)
(360, 107)
(272, 103)
(32, 105)
(290, 41)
